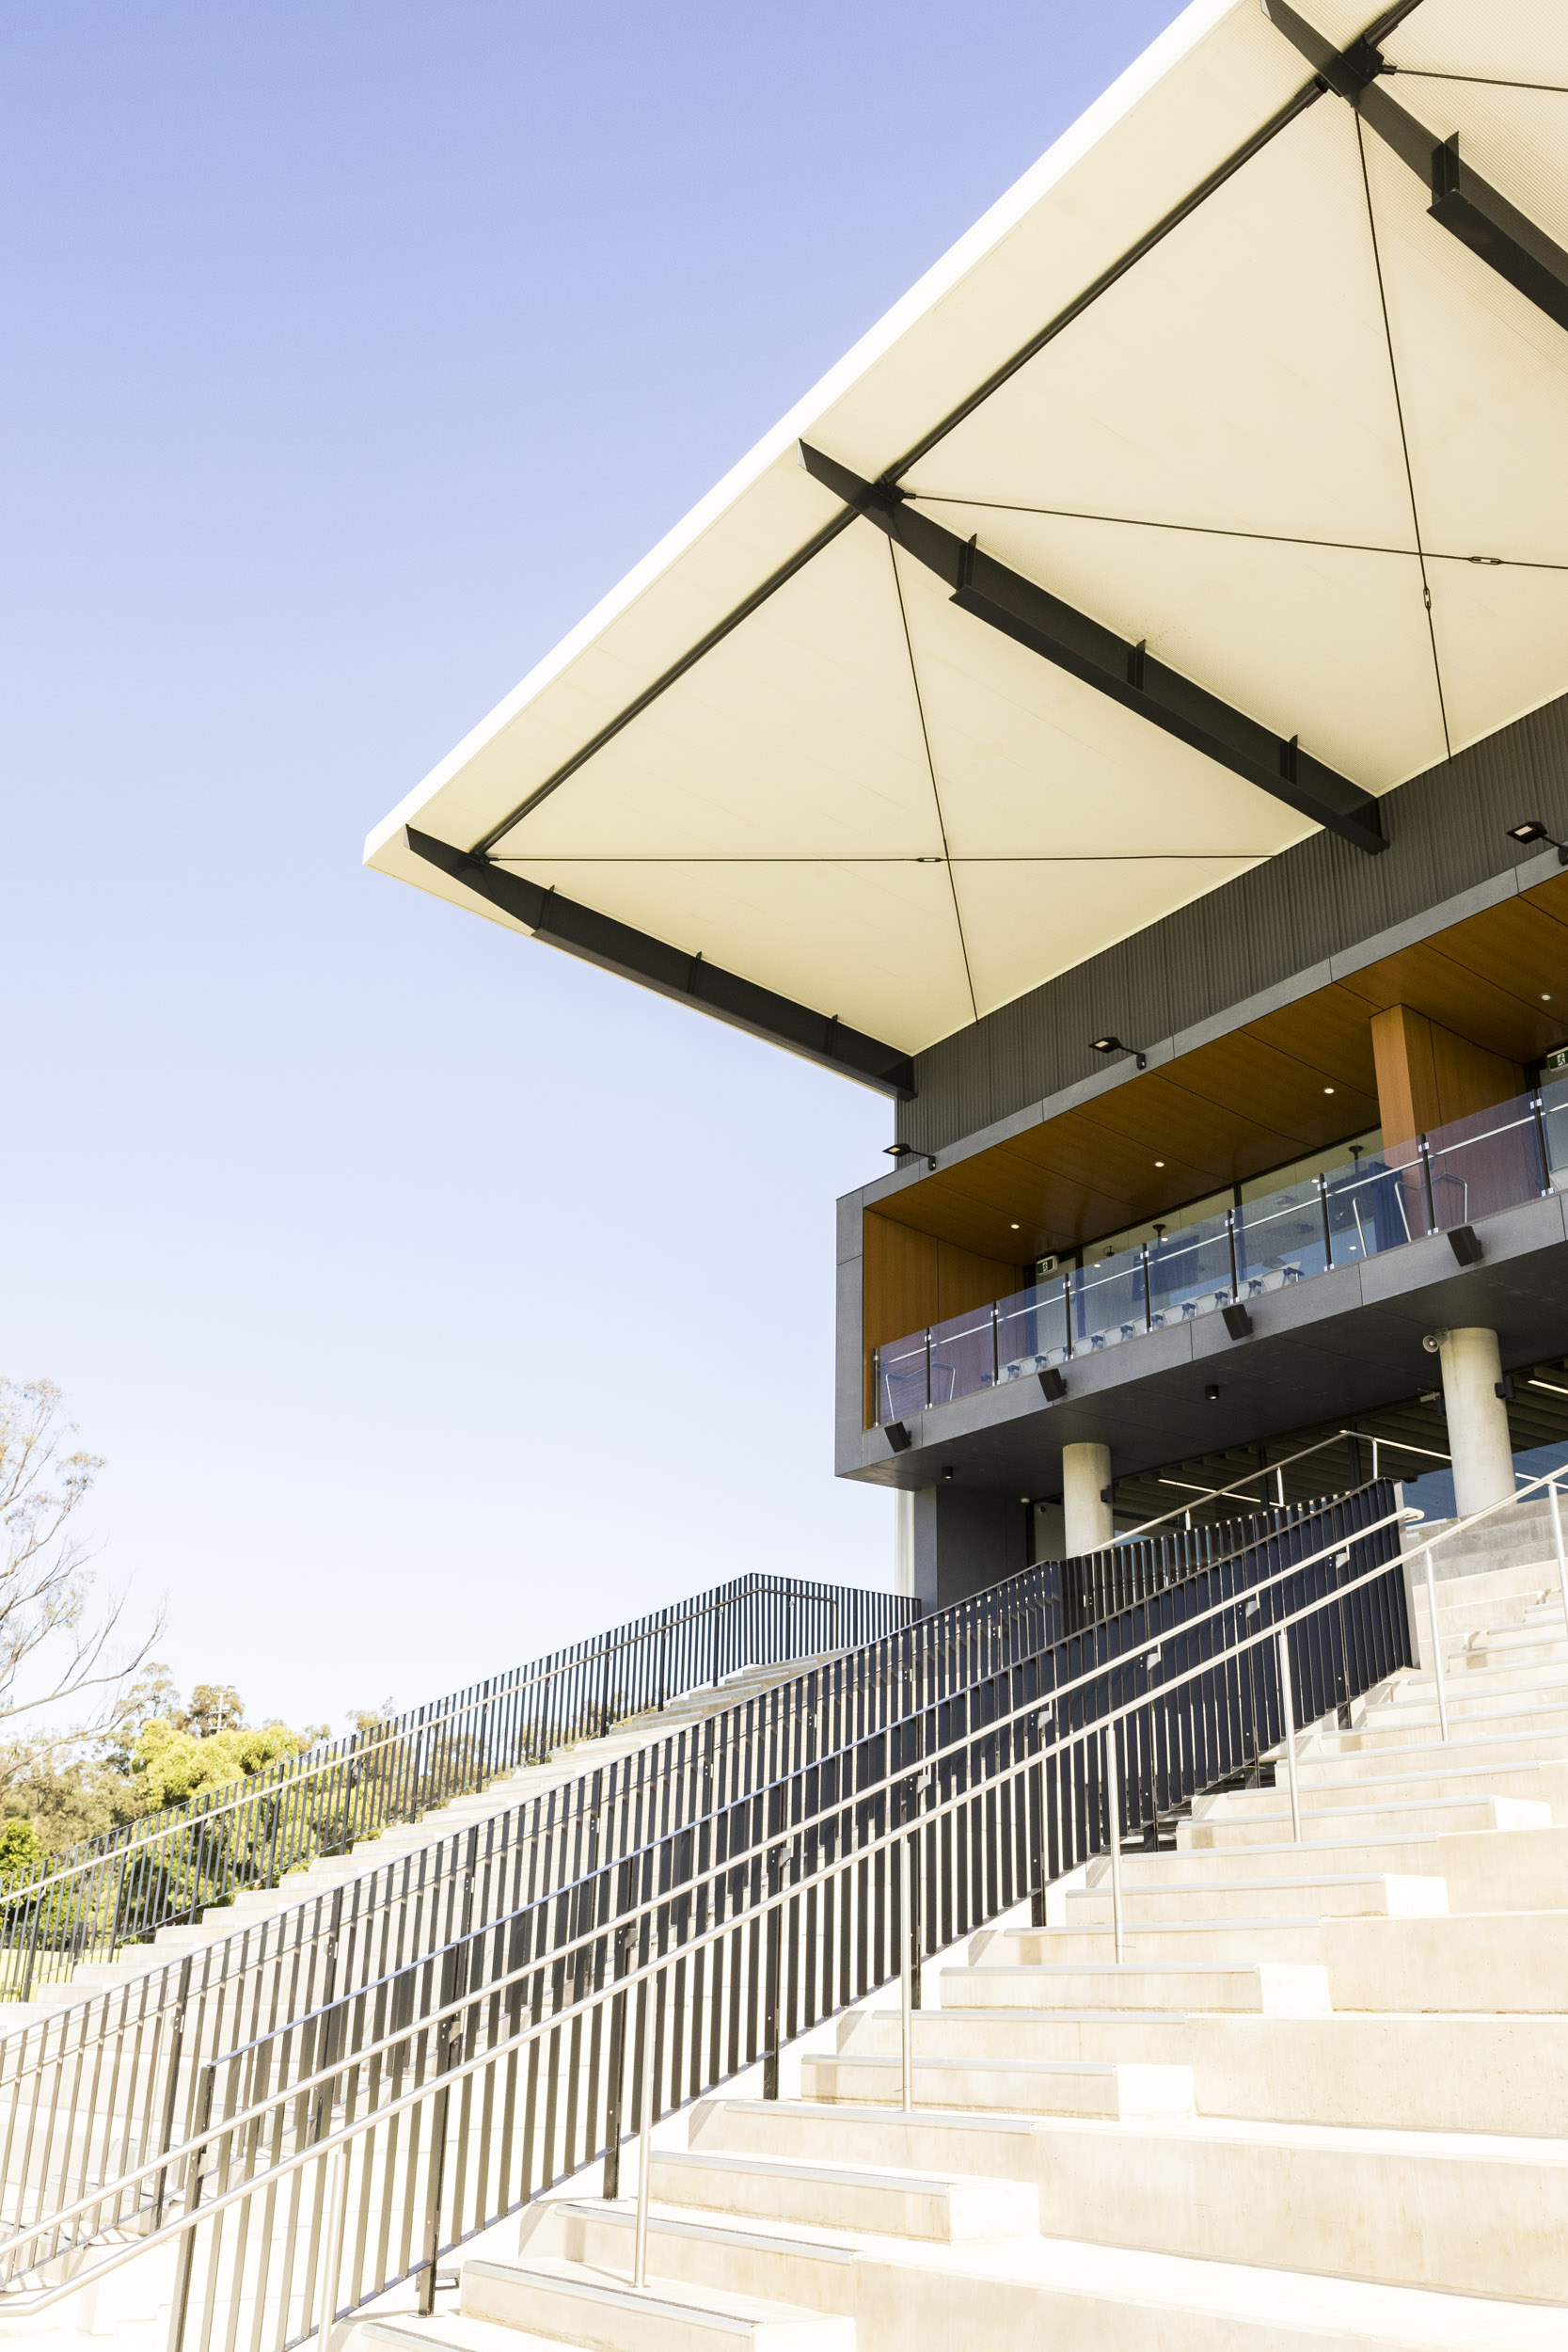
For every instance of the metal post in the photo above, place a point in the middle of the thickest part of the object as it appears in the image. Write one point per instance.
(332, 2250)
(1288, 1708)
(1436, 1651)
(995, 1350)
(1113, 1813)
(1557, 1538)
(1323, 1211)
(1235, 1269)
(1541, 1146)
(906, 1977)
(645, 2143)
(1425, 1149)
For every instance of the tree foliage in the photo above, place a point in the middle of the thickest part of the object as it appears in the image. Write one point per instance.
(61, 1647)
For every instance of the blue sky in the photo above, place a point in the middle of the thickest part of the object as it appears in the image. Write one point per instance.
(434, 1299)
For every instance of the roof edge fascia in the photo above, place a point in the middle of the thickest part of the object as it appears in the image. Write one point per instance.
(994, 224)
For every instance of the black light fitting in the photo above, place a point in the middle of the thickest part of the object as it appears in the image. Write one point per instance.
(1531, 830)
(1237, 1321)
(1053, 1384)
(1115, 1045)
(900, 1152)
(1465, 1245)
(898, 1436)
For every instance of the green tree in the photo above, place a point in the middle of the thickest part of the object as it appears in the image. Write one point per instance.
(59, 1646)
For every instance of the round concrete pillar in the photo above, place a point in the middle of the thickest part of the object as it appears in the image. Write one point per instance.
(1086, 1470)
(1478, 1420)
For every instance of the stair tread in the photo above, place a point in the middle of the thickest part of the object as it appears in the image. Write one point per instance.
(673, 2297)
(1240, 2130)
(1316, 2301)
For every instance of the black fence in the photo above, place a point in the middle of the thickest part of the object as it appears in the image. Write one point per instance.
(169, 1867)
(322, 2161)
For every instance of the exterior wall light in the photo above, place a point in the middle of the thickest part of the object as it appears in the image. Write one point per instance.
(1531, 830)
(1115, 1045)
(900, 1152)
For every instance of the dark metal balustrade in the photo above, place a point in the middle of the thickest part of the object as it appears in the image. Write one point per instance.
(321, 2160)
(168, 1868)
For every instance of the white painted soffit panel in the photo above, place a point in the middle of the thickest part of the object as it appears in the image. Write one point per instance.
(1306, 449)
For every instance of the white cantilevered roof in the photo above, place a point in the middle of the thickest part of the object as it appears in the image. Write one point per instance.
(1301, 445)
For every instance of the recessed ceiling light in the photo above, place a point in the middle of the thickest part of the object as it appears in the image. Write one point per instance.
(1328, 1090)
(1159, 1162)
(1544, 997)
(1015, 1229)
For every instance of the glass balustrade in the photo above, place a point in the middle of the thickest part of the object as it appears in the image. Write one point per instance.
(963, 1354)
(1190, 1272)
(1110, 1301)
(1031, 1330)
(1493, 1160)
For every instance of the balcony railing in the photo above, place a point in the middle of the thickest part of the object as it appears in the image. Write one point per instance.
(1494, 1159)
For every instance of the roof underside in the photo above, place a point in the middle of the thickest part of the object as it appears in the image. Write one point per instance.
(1303, 447)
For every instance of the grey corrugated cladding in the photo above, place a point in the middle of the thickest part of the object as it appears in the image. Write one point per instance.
(1446, 832)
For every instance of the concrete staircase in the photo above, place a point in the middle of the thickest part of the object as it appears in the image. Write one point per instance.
(1322, 2102)
(565, 1765)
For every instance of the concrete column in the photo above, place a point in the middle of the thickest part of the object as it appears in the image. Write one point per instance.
(1478, 1420)
(903, 1542)
(1085, 1470)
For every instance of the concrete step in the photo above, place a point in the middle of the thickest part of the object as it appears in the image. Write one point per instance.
(1259, 1988)
(562, 2301)
(1463, 2213)
(1320, 1766)
(948, 2208)
(1330, 1824)
(935, 2298)
(1514, 1960)
(1418, 1727)
(1380, 1894)
(1000, 2079)
(1445, 1771)
(1382, 2070)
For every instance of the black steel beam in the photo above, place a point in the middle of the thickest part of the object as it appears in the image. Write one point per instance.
(581, 930)
(1126, 673)
(1467, 206)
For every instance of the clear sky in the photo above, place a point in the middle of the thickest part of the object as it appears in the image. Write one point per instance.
(434, 1299)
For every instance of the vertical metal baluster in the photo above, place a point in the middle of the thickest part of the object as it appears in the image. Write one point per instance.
(1557, 1538)
(644, 2144)
(1436, 1650)
(332, 2251)
(1113, 1811)
(1287, 1709)
(906, 1977)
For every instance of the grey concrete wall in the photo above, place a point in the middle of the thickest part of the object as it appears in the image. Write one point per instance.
(965, 1538)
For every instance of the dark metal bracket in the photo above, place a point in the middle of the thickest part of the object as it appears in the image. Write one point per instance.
(632, 954)
(1126, 673)
(1467, 206)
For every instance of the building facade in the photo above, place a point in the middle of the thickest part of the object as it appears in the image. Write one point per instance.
(1121, 715)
